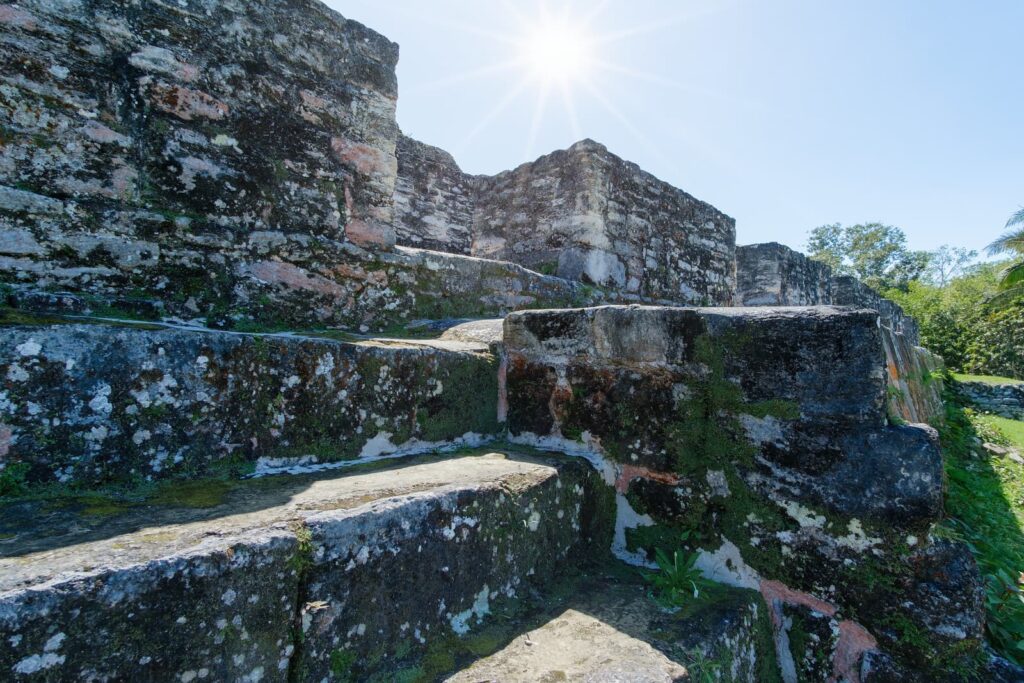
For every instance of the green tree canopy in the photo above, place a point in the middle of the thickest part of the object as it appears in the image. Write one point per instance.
(874, 253)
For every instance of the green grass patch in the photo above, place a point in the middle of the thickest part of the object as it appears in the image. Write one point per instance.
(1013, 430)
(986, 379)
(985, 504)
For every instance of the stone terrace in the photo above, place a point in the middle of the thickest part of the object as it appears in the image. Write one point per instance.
(285, 395)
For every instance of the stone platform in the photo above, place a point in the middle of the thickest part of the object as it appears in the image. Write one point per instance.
(613, 630)
(287, 575)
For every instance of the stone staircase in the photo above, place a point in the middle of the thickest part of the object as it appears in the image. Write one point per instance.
(309, 551)
(210, 505)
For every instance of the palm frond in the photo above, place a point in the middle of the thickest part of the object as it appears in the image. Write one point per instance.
(1012, 276)
(1005, 297)
(1016, 219)
(1010, 241)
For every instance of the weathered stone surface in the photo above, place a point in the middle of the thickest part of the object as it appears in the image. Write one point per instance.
(163, 147)
(1005, 399)
(617, 632)
(774, 275)
(97, 403)
(582, 213)
(915, 379)
(434, 199)
(220, 610)
(388, 580)
(479, 331)
(224, 592)
(764, 433)
(371, 292)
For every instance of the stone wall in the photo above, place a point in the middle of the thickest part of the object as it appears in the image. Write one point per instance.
(759, 438)
(95, 404)
(167, 149)
(434, 199)
(581, 213)
(772, 274)
(1006, 400)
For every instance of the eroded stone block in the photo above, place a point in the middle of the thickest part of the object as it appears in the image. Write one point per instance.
(761, 435)
(95, 404)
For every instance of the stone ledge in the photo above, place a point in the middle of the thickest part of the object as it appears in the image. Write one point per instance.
(97, 403)
(359, 565)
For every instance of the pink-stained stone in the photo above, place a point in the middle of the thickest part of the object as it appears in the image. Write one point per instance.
(187, 104)
(369, 233)
(13, 15)
(364, 159)
(97, 132)
(294, 277)
(630, 472)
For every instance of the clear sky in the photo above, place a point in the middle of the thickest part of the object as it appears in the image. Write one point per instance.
(785, 114)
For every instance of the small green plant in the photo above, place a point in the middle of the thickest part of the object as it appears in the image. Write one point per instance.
(703, 668)
(342, 662)
(678, 582)
(12, 479)
(1003, 602)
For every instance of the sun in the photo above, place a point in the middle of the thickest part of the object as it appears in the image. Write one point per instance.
(557, 52)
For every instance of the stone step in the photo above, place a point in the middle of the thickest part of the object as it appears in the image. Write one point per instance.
(98, 403)
(304, 577)
(611, 629)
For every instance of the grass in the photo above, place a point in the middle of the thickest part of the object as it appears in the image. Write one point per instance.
(986, 379)
(985, 507)
(1013, 430)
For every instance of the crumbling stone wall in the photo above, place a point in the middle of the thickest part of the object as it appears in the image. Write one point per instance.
(583, 214)
(231, 163)
(1006, 400)
(772, 274)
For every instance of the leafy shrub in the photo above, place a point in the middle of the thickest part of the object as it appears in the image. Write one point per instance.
(12, 479)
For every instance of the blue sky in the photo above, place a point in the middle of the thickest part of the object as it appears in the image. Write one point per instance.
(785, 114)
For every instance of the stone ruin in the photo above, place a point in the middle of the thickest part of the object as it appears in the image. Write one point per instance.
(233, 289)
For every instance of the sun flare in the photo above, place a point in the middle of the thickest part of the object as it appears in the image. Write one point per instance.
(557, 52)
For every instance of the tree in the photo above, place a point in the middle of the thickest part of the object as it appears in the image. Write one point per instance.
(946, 263)
(951, 318)
(998, 348)
(1011, 282)
(874, 253)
